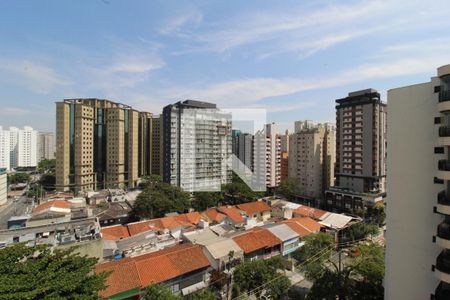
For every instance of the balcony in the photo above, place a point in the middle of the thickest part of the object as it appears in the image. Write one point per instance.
(444, 101)
(443, 235)
(442, 292)
(442, 270)
(444, 135)
(444, 169)
(443, 205)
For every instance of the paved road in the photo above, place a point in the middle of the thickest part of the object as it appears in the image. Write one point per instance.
(14, 208)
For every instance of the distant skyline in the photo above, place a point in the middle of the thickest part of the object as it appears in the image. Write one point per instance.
(293, 58)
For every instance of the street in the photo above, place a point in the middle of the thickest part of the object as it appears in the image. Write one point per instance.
(13, 208)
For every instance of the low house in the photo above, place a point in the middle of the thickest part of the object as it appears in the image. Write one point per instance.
(213, 216)
(258, 210)
(307, 211)
(223, 254)
(258, 243)
(51, 212)
(114, 233)
(115, 213)
(234, 217)
(290, 239)
(183, 268)
(304, 226)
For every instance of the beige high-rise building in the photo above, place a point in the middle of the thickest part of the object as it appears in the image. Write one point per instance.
(98, 145)
(157, 146)
(312, 156)
(267, 156)
(46, 145)
(418, 203)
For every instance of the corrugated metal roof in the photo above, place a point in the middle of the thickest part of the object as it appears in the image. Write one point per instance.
(223, 247)
(283, 232)
(338, 221)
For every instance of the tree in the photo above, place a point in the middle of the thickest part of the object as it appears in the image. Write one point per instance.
(159, 199)
(48, 181)
(40, 273)
(159, 292)
(361, 230)
(360, 278)
(150, 180)
(289, 188)
(47, 166)
(205, 200)
(250, 276)
(205, 294)
(314, 243)
(19, 178)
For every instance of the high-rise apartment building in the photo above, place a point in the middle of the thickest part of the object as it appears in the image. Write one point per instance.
(418, 202)
(100, 144)
(267, 155)
(3, 186)
(157, 145)
(312, 157)
(197, 145)
(18, 147)
(46, 145)
(245, 150)
(5, 149)
(360, 151)
(235, 133)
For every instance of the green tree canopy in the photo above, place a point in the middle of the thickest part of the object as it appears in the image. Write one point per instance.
(39, 273)
(48, 181)
(205, 200)
(159, 199)
(162, 292)
(289, 188)
(19, 178)
(361, 230)
(47, 166)
(251, 275)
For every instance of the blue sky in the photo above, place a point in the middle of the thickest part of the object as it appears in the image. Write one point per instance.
(293, 58)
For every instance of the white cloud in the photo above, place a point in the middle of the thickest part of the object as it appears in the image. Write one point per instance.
(35, 76)
(178, 23)
(14, 111)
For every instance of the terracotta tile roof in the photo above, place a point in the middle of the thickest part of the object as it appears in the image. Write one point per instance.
(152, 268)
(114, 233)
(303, 225)
(53, 203)
(306, 211)
(254, 207)
(124, 276)
(255, 239)
(169, 223)
(232, 213)
(213, 215)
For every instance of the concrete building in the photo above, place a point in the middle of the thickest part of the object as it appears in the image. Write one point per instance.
(5, 149)
(360, 152)
(97, 145)
(150, 144)
(46, 145)
(157, 145)
(267, 156)
(245, 151)
(418, 206)
(312, 157)
(3, 186)
(197, 145)
(18, 147)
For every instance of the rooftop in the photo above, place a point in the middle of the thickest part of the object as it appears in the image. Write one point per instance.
(232, 213)
(254, 207)
(255, 239)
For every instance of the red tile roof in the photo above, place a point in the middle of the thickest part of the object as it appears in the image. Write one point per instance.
(53, 203)
(303, 225)
(169, 223)
(124, 276)
(254, 207)
(255, 239)
(232, 213)
(213, 215)
(156, 267)
(306, 211)
(114, 233)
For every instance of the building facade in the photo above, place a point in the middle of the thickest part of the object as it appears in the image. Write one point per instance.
(3, 186)
(98, 145)
(197, 145)
(418, 231)
(18, 147)
(46, 145)
(360, 152)
(312, 157)
(267, 156)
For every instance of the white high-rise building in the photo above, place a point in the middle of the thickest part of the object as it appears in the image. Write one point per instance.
(18, 147)
(197, 145)
(4, 149)
(46, 146)
(418, 188)
(267, 155)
